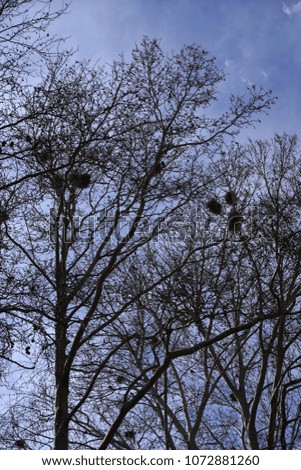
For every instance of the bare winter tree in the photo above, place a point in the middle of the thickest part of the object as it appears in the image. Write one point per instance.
(243, 391)
(24, 38)
(25, 46)
(120, 153)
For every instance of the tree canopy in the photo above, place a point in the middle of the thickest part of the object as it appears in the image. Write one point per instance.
(149, 262)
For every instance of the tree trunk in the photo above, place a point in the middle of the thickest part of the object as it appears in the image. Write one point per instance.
(62, 389)
(274, 410)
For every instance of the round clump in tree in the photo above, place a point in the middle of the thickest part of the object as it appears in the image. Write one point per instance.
(80, 180)
(230, 198)
(214, 206)
(3, 216)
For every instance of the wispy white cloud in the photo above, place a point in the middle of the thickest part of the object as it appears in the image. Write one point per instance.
(246, 80)
(265, 75)
(229, 63)
(291, 10)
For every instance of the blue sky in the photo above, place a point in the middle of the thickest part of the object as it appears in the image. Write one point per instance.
(254, 41)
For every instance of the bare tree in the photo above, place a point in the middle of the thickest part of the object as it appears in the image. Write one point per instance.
(24, 37)
(245, 387)
(26, 45)
(119, 155)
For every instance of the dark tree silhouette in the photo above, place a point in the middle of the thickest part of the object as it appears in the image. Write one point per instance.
(118, 159)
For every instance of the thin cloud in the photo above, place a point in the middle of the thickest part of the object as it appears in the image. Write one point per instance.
(229, 63)
(291, 10)
(265, 75)
(246, 80)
